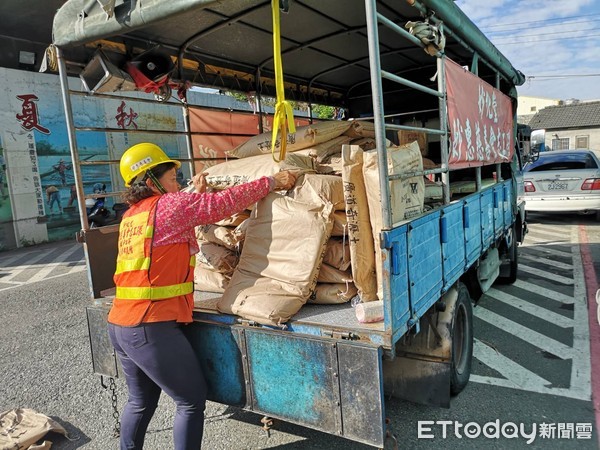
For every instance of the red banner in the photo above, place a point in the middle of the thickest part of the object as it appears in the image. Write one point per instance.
(211, 121)
(480, 120)
(223, 131)
(298, 121)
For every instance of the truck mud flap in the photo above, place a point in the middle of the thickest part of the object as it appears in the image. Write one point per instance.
(324, 384)
(104, 360)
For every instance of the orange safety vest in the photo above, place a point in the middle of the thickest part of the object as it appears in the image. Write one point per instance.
(154, 284)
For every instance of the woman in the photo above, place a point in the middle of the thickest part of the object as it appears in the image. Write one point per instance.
(154, 288)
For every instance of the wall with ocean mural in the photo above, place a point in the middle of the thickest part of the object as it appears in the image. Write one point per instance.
(38, 201)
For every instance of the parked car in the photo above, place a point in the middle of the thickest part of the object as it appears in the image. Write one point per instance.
(563, 181)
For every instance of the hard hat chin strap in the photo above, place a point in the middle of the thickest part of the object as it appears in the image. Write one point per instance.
(159, 186)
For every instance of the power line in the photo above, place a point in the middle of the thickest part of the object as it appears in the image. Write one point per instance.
(563, 76)
(543, 34)
(546, 40)
(540, 21)
(512, 30)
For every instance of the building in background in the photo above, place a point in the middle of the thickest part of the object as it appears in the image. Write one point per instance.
(528, 107)
(569, 126)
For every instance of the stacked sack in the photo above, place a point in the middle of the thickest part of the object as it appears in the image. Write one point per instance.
(220, 247)
(310, 244)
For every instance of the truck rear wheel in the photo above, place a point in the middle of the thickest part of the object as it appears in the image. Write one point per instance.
(462, 341)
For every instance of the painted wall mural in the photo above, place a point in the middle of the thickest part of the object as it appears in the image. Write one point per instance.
(38, 198)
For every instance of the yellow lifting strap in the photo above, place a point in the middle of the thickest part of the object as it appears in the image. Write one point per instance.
(284, 115)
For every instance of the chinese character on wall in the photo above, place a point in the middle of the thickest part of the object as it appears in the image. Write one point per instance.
(29, 116)
(126, 119)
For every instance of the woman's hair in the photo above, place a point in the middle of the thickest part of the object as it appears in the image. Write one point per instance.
(138, 189)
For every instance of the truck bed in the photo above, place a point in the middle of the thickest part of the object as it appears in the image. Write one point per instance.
(340, 317)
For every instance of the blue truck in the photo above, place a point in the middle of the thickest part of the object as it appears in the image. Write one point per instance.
(419, 68)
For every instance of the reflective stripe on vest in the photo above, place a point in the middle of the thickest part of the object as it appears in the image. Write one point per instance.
(154, 293)
(130, 265)
(137, 231)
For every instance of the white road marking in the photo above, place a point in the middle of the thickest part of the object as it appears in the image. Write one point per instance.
(59, 260)
(577, 394)
(550, 262)
(75, 269)
(43, 270)
(548, 250)
(549, 229)
(521, 332)
(81, 265)
(5, 263)
(517, 374)
(544, 240)
(545, 274)
(530, 308)
(16, 284)
(581, 370)
(544, 292)
(30, 264)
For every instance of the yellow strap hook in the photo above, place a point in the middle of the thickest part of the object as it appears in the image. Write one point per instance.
(283, 120)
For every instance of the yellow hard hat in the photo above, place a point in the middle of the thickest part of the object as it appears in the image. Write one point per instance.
(140, 158)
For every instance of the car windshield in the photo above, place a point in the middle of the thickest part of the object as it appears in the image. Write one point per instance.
(562, 161)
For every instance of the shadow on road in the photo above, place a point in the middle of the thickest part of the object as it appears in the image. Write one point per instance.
(562, 218)
(74, 439)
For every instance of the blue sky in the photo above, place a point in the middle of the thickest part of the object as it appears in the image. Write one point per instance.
(548, 40)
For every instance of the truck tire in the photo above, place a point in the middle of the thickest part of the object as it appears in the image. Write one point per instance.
(513, 256)
(462, 341)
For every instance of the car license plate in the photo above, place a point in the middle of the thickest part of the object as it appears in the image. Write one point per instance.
(557, 185)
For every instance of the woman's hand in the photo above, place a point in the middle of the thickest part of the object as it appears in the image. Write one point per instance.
(199, 182)
(284, 180)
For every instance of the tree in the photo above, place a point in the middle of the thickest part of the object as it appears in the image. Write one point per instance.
(323, 111)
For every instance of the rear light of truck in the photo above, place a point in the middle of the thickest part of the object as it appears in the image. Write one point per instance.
(591, 184)
(529, 187)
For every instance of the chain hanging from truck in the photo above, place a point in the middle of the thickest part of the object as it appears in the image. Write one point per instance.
(283, 119)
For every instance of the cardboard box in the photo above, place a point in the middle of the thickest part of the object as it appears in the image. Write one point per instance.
(408, 136)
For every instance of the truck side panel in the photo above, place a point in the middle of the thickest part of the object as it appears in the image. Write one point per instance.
(301, 385)
(487, 218)
(472, 222)
(508, 201)
(424, 262)
(328, 385)
(220, 351)
(333, 387)
(498, 200)
(395, 241)
(453, 243)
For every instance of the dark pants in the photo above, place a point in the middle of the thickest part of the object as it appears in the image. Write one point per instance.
(155, 357)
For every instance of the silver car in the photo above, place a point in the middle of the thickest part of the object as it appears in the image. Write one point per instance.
(563, 181)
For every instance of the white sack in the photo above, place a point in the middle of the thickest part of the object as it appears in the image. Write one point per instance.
(280, 260)
(326, 293)
(239, 171)
(304, 137)
(362, 253)
(314, 188)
